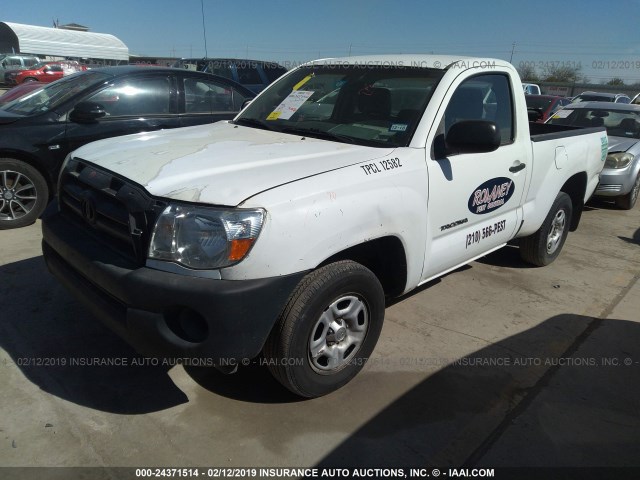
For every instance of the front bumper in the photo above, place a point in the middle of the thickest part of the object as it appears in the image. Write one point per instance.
(614, 183)
(161, 313)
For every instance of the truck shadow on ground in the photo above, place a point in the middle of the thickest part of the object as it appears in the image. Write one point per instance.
(43, 326)
(445, 418)
(508, 256)
(63, 350)
(478, 412)
(600, 203)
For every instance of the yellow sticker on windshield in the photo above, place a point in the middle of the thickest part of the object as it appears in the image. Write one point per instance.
(274, 115)
(302, 82)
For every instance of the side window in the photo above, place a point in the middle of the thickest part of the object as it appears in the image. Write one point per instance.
(248, 73)
(55, 68)
(220, 68)
(483, 97)
(273, 72)
(136, 96)
(205, 96)
(14, 62)
(30, 62)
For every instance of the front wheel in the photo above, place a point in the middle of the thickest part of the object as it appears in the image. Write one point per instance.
(23, 194)
(628, 201)
(544, 246)
(327, 330)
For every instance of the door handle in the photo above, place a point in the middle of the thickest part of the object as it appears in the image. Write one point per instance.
(517, 168)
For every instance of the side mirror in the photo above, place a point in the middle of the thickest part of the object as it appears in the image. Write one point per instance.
(472, 136)
(87, 112)
(246, 103)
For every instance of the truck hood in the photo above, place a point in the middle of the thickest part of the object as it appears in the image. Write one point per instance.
(221, 163)
(621, 144)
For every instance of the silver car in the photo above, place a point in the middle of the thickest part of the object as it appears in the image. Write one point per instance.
(620, 177)
(601, 97)
(10, 62)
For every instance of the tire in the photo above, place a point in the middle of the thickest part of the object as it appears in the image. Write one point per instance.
(29, 80)
(328, 329)
(23, 194)
(544, 246)
(628, 201)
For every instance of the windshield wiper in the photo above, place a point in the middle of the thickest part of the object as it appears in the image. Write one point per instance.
(317, 133)
(252, 122)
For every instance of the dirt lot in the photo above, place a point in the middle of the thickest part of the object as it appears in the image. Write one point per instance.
(497, 364)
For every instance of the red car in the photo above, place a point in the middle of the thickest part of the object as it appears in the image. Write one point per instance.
(541, 107)
(47, 72)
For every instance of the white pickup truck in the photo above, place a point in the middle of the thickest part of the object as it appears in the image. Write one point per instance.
(282, 232)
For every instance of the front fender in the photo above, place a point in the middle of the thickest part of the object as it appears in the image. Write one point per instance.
(318, 217)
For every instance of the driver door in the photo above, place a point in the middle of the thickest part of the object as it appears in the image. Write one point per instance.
(474, 198)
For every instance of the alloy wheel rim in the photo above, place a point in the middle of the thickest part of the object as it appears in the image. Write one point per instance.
(557, 230)
(338, 334)
(18, 195)
(635, 190)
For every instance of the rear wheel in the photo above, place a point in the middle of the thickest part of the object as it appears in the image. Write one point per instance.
(29, 80)
(544, 246)
(327, 330)
(628, 201)
(23, 194)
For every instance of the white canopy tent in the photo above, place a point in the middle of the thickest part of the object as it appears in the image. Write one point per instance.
(57, 42)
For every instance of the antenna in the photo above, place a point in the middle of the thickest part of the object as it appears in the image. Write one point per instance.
(204, 30)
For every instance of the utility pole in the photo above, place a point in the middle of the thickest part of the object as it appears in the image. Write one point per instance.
(513, 47)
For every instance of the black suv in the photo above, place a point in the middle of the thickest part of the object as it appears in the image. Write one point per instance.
(38, 130)
(253, 74)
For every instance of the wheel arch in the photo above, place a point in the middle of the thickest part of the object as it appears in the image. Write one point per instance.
(576, 187)
(384, 256)
(33, 161)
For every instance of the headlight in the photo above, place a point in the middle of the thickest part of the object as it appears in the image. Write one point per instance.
(204, 238)
(618, 160)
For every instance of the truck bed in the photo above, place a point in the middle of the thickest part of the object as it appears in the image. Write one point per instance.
(541, 132)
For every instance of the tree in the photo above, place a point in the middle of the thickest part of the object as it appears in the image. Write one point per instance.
(616, 82)
(561, 74)
(528, 72)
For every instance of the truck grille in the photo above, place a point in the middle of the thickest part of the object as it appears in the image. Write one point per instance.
(117, 213)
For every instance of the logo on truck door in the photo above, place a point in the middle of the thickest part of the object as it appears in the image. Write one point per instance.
(491, 195)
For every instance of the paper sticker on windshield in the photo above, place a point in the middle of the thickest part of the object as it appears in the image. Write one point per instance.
(398, 127)
(562, 113)
(290, 105)
(491, 195)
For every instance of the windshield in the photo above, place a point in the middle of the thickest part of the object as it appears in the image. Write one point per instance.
(618, 123)
(366, 105)
(593, 98)
(39, 65)
(54, 94)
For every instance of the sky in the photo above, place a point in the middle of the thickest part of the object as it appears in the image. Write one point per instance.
(603, 38)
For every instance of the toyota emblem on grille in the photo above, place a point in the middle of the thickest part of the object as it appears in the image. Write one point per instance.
(88, 210)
